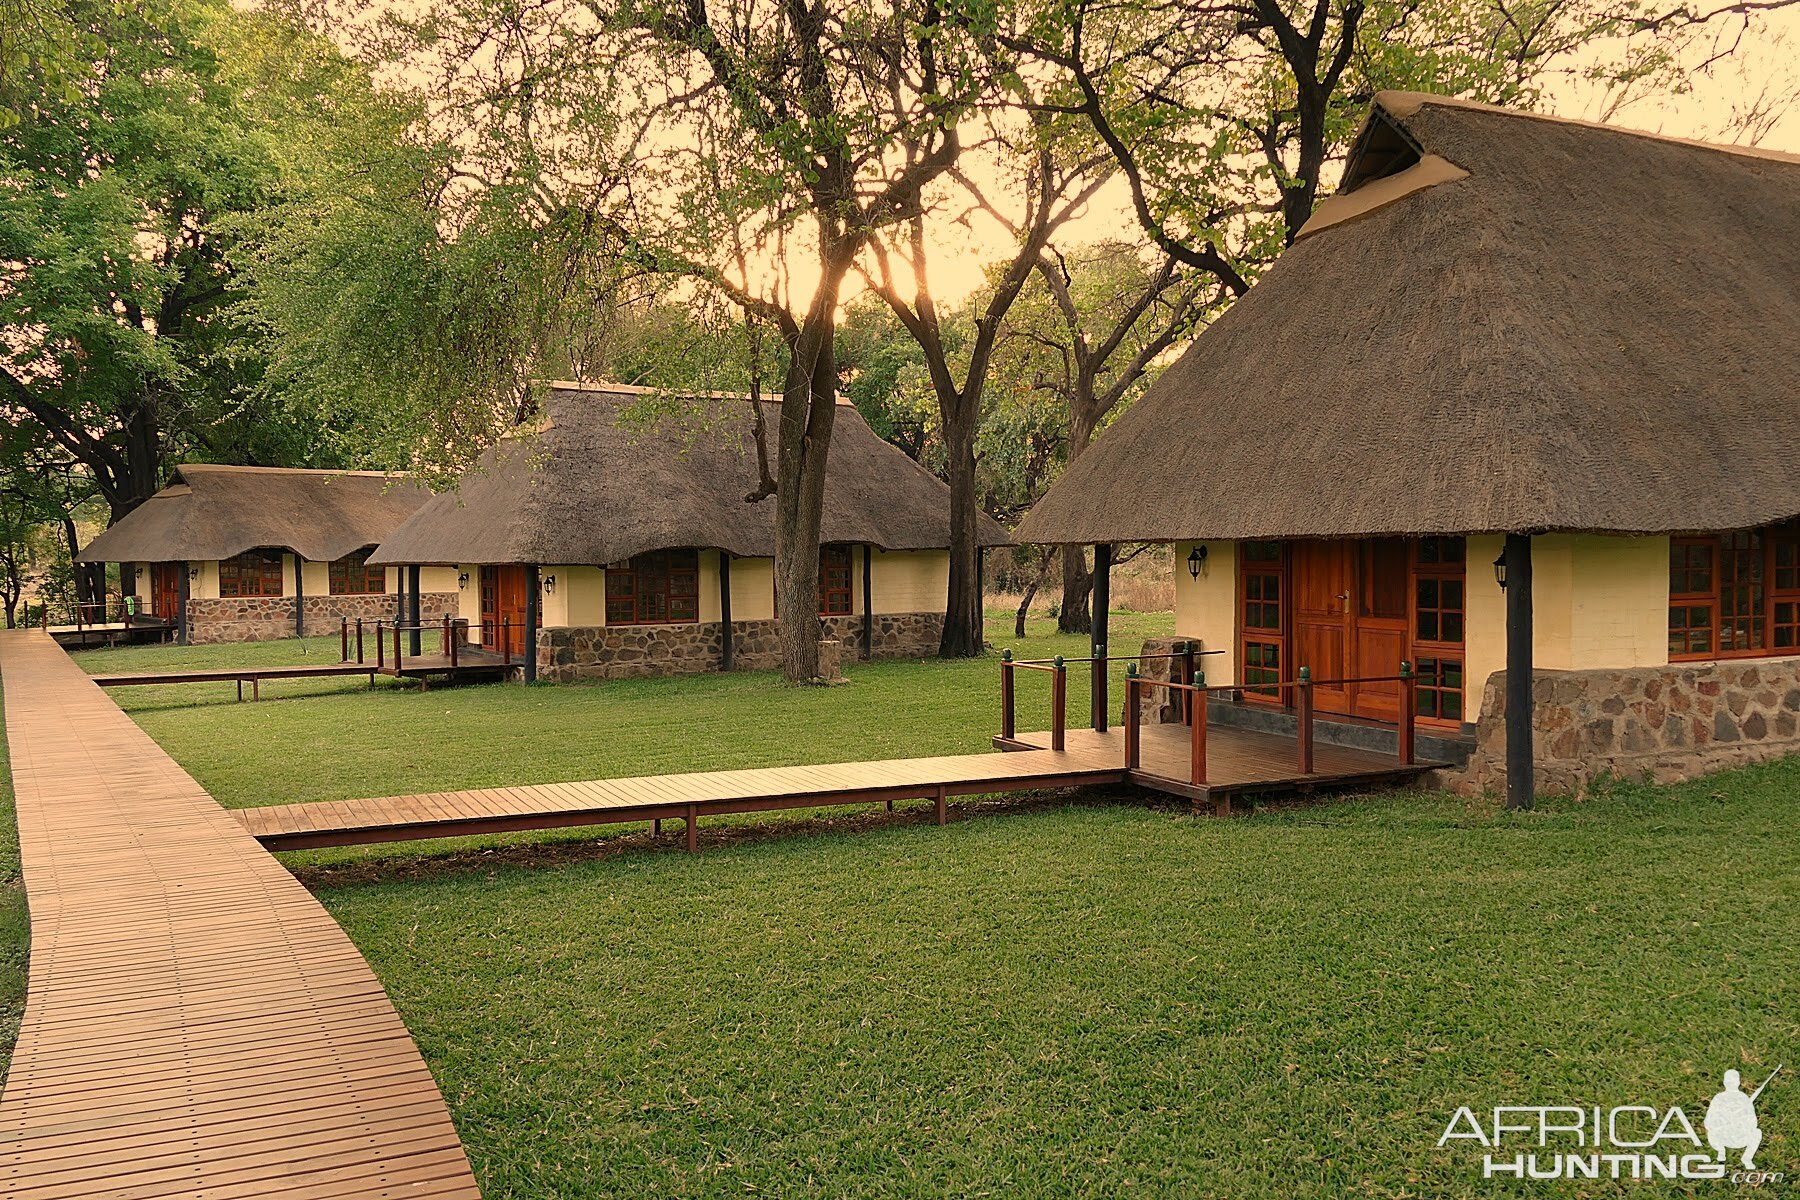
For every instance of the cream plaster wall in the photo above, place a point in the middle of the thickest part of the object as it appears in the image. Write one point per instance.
(1206, 608)
(904, 581)
(1599, 601)
(752, 590)
(207, 586)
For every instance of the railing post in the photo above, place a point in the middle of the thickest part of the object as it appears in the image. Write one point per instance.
(359, 640)
(450, 639)
(1008, 722)
(1197, 733)
(343, 639)
(1059, 703)
(380, 648)
(506, 641)
(397, 657)
(1097, 702)
(1303, 704)
(1133, 751)
(444, 639)
(1187, 677)
(1409, 708)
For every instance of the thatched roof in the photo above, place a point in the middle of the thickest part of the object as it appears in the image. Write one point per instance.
(210, 512)
(1504, 322)
(590, 487)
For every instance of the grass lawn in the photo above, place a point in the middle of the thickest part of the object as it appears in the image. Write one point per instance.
(15, 925)
(1090, 999)
(338, 739)
(1098, 999)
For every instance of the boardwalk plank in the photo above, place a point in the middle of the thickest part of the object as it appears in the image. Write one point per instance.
(196, 1024)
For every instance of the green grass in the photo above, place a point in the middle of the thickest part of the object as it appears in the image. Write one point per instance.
(1090, 999)
(15, 926)
(339, 739)
(1097, 999)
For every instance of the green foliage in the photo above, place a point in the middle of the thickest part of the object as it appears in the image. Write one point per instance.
(124, 346)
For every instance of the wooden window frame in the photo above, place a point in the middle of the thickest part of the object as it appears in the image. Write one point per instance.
(656, 576)
(352, 575)
(1263, 636)
(1780, 605)
(828, 562)
(253, 566)
(1441, 649)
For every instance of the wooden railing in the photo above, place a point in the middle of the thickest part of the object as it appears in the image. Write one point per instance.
(83, 614)
(1184, 658)
(1194, 696)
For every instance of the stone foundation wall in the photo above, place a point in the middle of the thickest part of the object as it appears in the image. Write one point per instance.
(634, 651)
(1661, 723)
(267, 618)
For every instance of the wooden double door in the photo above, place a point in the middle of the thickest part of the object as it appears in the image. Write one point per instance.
(1350, 619)
(503, 604)
(165, 589)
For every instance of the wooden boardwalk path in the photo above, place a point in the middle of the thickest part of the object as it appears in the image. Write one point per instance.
(1242, 761)
(665, 797)
(196, 1024)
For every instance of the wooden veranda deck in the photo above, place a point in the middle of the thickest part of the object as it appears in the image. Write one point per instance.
(196, 1024)
(1238, 761)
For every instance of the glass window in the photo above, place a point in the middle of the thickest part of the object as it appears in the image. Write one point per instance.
(834, 580)
(661, 587)
(352, 575)
(252, 573)
(1735, 595)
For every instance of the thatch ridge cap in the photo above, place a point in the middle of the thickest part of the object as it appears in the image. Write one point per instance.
(1402, 105)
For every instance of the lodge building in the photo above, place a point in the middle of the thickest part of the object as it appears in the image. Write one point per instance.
(626, 515)
(1510, 346)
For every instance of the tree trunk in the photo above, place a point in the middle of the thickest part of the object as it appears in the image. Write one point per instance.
(1077, 585)
(1077, 580)
(963, 633)
(808, 408)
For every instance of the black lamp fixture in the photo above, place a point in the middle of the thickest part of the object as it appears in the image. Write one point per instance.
(1500, 570)
(550, 585)
(462, 580)
(1196, 561)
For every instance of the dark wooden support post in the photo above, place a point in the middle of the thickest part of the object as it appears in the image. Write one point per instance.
(181, 619)
(448, 638)
(1008, 722)
(506, 641)
(1187, 676)
(1303, 710)
(1520, 786)
(299, 595)
(727, 638)
(691, 816)
(1102, 598)
(868, 632)
(1059, 704)
(1197, 735)
(939, 808)
(359, 639)
(380, 648)
(1409, 707)
(532, 600)
(343, 639)
(413, 618)
(1133, 751)
(398, 658)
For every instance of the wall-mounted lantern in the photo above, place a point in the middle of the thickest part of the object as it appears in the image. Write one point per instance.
(194, 573)
(549, 585)
(462, 581)
(1196, 561)
(1500, 570)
